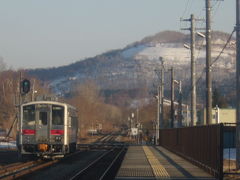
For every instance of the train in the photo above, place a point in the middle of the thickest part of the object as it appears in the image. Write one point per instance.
(47, 129)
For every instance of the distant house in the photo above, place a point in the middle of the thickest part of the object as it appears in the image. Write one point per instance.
(218, 116)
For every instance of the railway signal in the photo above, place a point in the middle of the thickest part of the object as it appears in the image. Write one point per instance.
(25, 86)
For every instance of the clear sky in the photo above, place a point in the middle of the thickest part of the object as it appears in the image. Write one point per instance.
(51, 33)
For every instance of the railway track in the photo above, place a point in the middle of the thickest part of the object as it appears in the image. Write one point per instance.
(18, 170)
(106, 142)
(104, 167)
(108, 160)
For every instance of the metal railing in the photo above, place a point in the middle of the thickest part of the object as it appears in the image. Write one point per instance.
(202, 145)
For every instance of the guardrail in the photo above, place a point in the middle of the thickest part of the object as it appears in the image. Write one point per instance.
(202, 145)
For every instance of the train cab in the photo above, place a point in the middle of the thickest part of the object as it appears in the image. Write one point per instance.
(47, 129)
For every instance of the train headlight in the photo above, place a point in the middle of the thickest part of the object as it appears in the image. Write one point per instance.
(58, 138)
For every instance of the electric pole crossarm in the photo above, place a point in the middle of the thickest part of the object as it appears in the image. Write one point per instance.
(181, 19)
(187, 29)
(196, 19)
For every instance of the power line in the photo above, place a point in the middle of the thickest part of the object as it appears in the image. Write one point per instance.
(214, 61)
(186, 7)
(229, 39)
(217, 5)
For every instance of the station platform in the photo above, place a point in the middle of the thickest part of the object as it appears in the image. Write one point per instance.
(155, 162)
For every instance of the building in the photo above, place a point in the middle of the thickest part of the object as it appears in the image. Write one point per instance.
(219, 115)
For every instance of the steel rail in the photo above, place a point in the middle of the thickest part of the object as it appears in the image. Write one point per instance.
(81, 172)
(5, 167)
(17, 170)
(112, 163)
(32, 169)
(40, 165)
(14, 167)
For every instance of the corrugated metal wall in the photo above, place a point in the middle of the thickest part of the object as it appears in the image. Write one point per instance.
(202, 145)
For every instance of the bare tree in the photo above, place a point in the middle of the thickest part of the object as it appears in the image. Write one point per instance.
(3, 65)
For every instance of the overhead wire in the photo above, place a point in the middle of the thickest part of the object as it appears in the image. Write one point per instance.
(186, 7)
(198, 51)
(216, 5)
(229, 39)
(215, 60)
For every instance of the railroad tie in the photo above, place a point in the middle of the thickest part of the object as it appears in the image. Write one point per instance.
(157, 167)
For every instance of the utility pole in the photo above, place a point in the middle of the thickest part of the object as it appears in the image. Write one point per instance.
(238, 83)
(187, 117)
(179, 117)
(193, 73)
(20, 94)
(208, 65)
(180, 105)
(162, 95)
(19, 100)
(160, 89)
(172, 98)
(158, 116)
(193, 67)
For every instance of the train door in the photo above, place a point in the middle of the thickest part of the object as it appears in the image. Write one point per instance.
(42, 124)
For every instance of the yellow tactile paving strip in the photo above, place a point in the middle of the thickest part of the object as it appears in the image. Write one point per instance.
(157, 167)
(151, 163)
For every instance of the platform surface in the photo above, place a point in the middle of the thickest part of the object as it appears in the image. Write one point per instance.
(148, 162)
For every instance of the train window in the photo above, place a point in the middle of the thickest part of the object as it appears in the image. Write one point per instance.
(43, 118)
(57, 115)
(29, 115)
(42, 105)
(74, 121)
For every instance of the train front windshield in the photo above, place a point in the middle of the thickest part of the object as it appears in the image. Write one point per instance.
(41, 114)
(57, 115)
(29, 115)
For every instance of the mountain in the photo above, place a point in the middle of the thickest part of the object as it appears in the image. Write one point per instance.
(135, 66)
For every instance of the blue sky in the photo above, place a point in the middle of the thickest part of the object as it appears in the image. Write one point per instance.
(51, 33)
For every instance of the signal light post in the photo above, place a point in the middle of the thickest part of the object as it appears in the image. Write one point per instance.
(25, 86)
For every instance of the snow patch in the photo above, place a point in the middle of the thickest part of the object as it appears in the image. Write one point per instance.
(133, 51)
(229, 153)
(8, 145)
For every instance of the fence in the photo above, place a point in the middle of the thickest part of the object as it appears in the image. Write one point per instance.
(202, 145)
